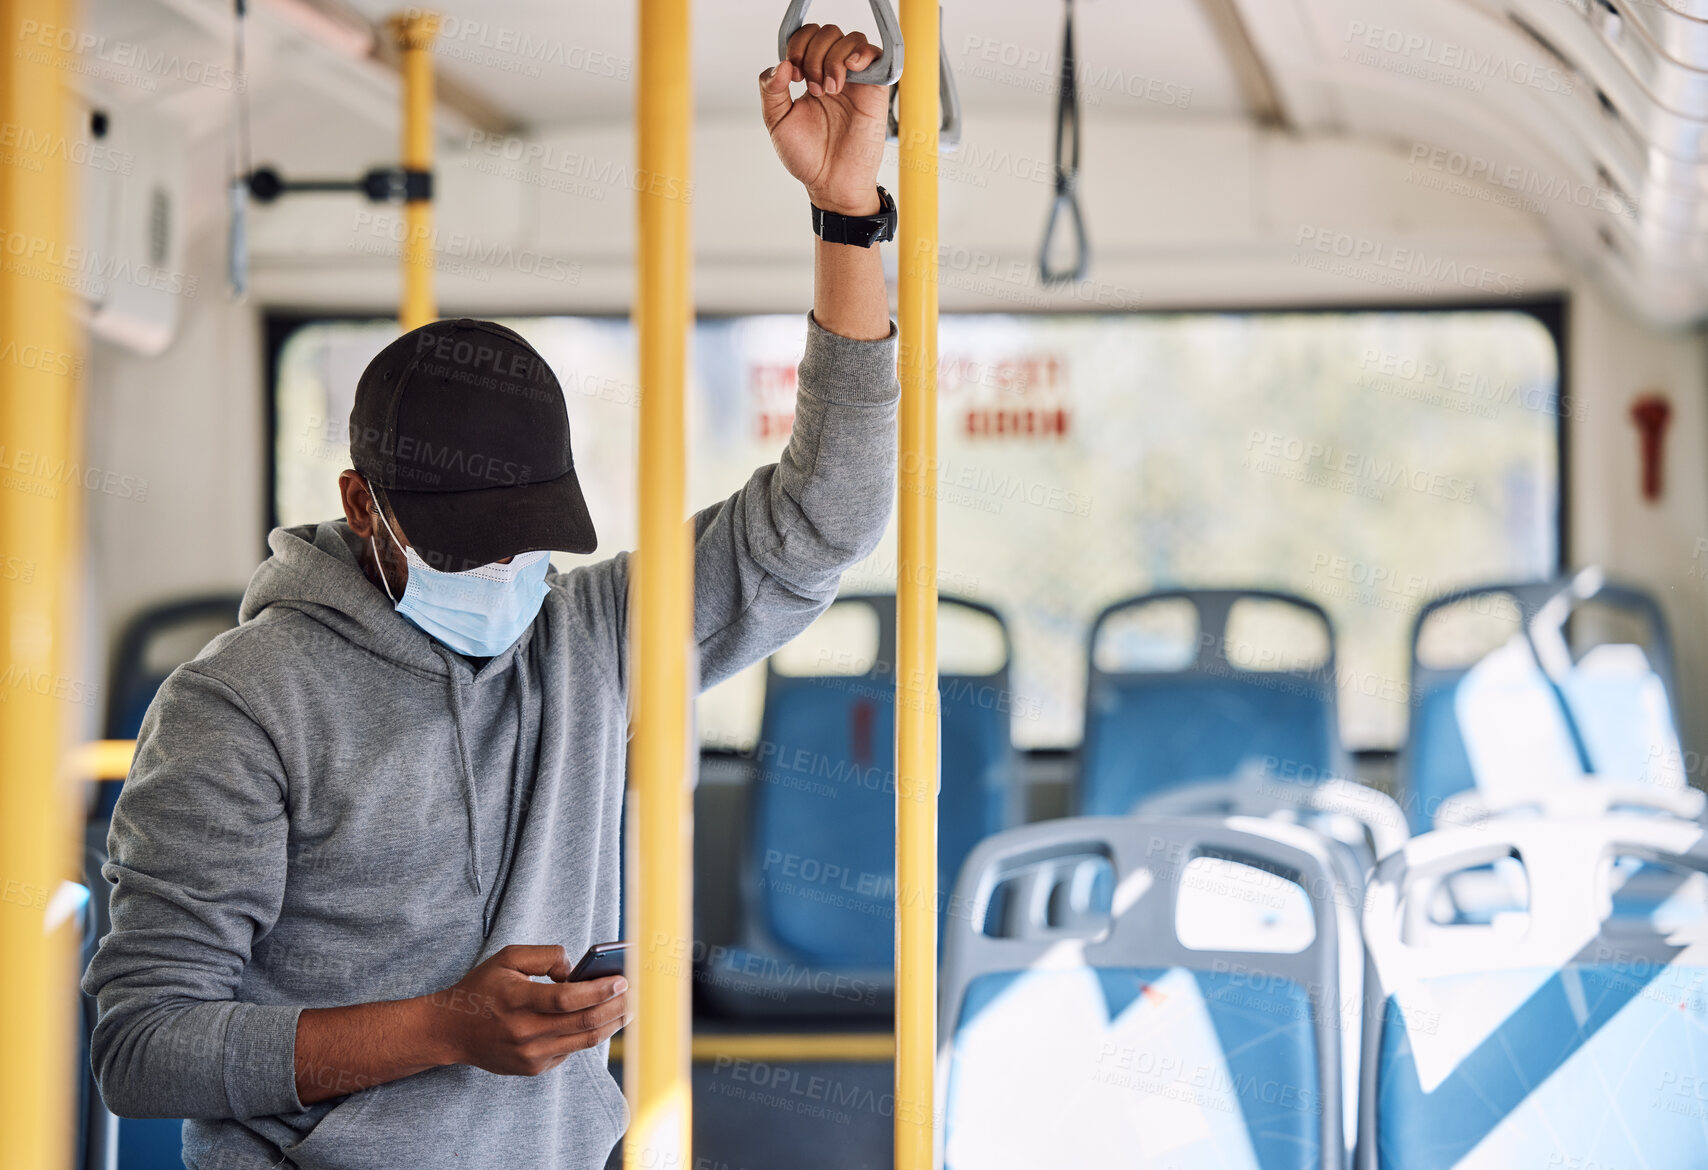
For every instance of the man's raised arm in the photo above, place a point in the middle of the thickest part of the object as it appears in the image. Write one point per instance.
(768, 559)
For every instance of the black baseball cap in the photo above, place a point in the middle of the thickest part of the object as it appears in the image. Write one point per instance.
(461, 425)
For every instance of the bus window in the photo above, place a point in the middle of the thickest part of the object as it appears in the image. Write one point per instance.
(1365, 460)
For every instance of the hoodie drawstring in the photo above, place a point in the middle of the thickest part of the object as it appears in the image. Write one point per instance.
(522, 763)
(467, 766)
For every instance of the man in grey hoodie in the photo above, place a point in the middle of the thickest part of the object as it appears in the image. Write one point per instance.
(367, 831)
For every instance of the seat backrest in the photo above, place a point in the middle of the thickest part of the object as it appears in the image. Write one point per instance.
(155, 643)
(1224, 702)
(1560, 1034)
(1574, 798)
(1655, 893)
(1185, 1004)
(1609, 705)
(821, 852)
(1363, 823)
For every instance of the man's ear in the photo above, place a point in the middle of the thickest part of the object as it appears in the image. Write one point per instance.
(358, 503)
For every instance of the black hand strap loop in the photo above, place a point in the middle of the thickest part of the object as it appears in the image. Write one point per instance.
(1067, 170)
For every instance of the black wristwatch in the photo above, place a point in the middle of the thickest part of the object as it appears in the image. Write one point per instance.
(862, 231)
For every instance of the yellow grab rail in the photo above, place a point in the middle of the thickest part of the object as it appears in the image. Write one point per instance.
(916, 597)
(415, 31)
(839, 1047)
(660, 872)
(40, 516)
(103, 759)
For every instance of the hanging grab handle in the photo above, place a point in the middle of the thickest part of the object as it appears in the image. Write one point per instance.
(1067, 171)
(1081, 256)
(884, 71)
(948, 99)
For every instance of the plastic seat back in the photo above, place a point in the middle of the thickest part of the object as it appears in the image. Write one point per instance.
(1654, 893)
(1183, 685)
(1559, 1033)
(821, 856)
(1362, 824)
(1139, 991)
(157, 642)
(1533, 669)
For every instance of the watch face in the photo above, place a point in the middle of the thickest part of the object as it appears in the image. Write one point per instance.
(887, 216)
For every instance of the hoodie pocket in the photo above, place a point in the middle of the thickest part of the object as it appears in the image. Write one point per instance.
(461, 1116)
(603, 1087)
(322, 1141)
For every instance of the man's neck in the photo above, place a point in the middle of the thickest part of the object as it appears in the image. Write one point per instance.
(370, 568)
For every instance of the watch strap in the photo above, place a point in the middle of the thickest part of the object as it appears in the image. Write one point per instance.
(860, 231)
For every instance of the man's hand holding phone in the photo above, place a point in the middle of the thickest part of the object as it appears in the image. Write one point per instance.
(497, 1017)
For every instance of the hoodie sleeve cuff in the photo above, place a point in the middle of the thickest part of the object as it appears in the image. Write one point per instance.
(260, 1060)
(843, 371)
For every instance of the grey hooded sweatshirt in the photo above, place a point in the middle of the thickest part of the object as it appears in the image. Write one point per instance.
(328, 807)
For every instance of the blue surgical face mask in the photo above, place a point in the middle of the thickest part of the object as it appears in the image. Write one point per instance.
(479, 613)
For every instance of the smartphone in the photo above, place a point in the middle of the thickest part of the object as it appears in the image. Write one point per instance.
(600, 961)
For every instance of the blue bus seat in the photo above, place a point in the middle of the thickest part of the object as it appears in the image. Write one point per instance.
(1207, 713)
(1126, 1037)
(1562, 1033)
(154, 644)
(1610, 707)
(1661, 895)
(1361, 824)
(818, 933)
(1623, 710)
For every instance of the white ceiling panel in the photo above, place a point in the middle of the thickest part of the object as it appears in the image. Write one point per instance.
(560, 64)
(1588, 116)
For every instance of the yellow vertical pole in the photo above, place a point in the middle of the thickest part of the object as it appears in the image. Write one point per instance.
(916, 598)
(656, 1064)
(414, 32)
(38, 515)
